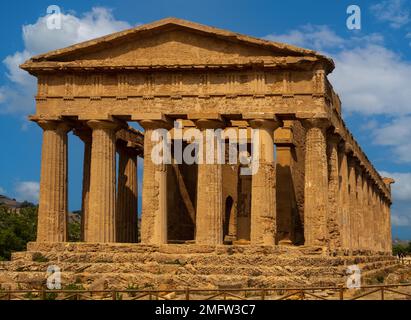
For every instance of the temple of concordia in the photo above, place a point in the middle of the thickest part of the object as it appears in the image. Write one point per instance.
(316, 204)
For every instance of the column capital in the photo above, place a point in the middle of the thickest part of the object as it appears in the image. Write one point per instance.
(352, 161)
(104, 124)
(321, 123)
(333, 139)
(359, 168)
(209, 123)
(346, 147)
(156, 124)
(388, 181)
(258, 123)
(57, 125)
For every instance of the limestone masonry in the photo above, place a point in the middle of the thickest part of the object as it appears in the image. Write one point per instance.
(315, 187)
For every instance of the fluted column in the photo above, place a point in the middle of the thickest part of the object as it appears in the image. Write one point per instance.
(377, 216)
(126, 212)
(52, 214)
(85, 135)
(154, 193)
(360, 208)
(101, 223)
(367, 213)
(316, 183)
(374, 223)
(333, 220)
(352, 182)
(209, 212)
(388, 231)
(263, 185)
(344, 203)
(381, 223)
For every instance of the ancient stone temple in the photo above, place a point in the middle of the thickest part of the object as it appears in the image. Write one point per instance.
(315, 193)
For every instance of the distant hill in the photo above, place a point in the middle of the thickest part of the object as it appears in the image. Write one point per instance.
(9, 203)
(13, 204)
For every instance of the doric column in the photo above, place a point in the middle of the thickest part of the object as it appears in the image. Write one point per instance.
(380, 222)
(388, 232)
(377, 216)
(209, 213)
(359, 207)
(367, 220)
(387, 203)
(154, 193)
(374, 216)
(316, 183)
(101, 223)
(126, 212)
(85, 135)
(52, 214)
(344, 203)
(333, 219)
(352, 183)
(263, 192)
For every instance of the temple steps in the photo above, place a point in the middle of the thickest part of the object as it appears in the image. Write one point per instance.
(179, 266)
(251, 259)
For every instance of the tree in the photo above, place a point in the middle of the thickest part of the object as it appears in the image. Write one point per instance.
(16, 229)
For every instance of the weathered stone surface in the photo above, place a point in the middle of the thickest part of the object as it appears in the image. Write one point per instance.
(105, 266)
(316, 183)
(52, 216)
(315, 192)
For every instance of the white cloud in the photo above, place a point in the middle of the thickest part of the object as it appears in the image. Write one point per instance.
(397, 135)
(401, 189)
(27, 191)
(370, 78)
(401, 195)
(318, 37)
(394, 12)
(2, 191)
(96, 23)
(17, 97)
(400, 220)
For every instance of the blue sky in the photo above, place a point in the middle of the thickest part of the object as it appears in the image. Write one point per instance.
(372, 76)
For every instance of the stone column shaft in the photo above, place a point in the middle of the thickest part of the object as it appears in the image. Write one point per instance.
(367, 213)
(263, 182)
(333, 221)
(375, 219)
(209, 212)
(101, 223)
(154, 202)
(316, 183)
(344, 203)
(126, 215)
(359, 208)
(388, 232)
(352, 180)
(52, 214)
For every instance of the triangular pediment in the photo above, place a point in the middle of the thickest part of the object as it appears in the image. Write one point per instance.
(174, 42)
